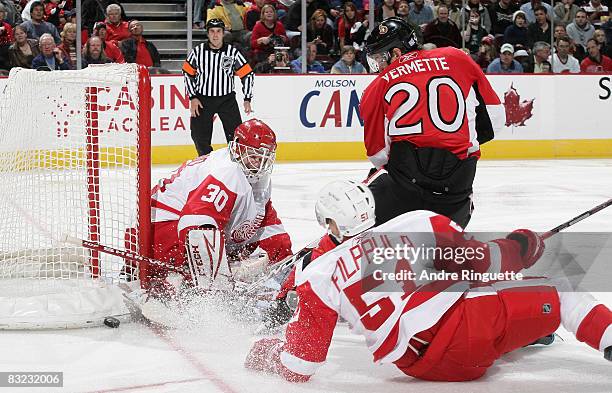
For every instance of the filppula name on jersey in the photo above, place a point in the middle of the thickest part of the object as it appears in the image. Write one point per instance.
(417, 65)
(424, 275)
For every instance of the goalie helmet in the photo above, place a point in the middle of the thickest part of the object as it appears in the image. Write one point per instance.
(254, 149)
(391, 33)
(349, 204)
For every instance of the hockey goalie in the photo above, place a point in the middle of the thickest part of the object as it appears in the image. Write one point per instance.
(212, 214)
(442, 330)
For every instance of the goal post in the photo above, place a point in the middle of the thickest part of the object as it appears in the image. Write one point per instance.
(74, 160)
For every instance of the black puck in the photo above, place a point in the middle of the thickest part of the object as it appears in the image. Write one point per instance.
(112, 322)
(608, 353)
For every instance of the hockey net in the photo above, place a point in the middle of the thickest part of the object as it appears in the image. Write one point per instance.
(74, 160)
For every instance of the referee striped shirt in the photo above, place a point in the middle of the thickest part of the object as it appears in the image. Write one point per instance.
(210, 72)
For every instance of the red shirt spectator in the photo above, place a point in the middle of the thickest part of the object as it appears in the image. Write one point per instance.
(346, 23)
(253, 14)
(116, 29)
(6, 32)
(111, 50)
(595, 62)
(264, 33)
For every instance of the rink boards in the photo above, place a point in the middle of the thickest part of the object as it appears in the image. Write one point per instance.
(316, 117)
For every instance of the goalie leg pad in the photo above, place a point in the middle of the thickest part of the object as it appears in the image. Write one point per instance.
(207, 260)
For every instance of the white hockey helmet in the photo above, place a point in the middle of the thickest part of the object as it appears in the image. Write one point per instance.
(350, 204)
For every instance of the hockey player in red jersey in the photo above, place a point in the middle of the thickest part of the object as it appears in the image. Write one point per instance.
(444, 330)
(217, 207)
(425, 117)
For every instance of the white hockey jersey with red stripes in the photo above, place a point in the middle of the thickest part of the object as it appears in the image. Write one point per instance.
(331, 285)
(213, 190)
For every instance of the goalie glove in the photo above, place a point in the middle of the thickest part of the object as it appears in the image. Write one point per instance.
(207, 261)
(532, 245)
(265, 357)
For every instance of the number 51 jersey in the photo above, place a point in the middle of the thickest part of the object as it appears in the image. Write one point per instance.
(432, 98)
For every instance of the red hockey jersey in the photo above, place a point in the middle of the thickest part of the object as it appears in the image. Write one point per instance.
(435, 98)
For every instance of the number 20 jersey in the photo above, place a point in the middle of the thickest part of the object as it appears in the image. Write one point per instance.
(437, 98)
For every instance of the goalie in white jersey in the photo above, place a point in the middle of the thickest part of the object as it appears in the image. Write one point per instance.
(215, 211)
(446, 330)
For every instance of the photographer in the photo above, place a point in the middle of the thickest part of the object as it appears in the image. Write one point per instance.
(267, 33)
(50, 57)
(276, 63)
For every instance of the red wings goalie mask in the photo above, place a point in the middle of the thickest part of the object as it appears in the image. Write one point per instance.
(254, 149)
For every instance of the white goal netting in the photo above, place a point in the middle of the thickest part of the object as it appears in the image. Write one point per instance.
(74, 160)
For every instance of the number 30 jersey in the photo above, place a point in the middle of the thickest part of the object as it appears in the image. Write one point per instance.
(213, 191)
(436, 98)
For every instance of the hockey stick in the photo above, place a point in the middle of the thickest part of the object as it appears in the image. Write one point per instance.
(576, 219)
(283, 268)
(132, 256)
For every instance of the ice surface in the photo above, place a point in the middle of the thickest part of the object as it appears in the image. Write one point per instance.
(209, 358)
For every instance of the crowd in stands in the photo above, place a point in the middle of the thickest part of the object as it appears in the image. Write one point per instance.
(43, 35)
(502, 36)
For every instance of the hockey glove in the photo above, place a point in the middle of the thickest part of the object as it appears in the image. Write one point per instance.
(532, 245)
(265, 357)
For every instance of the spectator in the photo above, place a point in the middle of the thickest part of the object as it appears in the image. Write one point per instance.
(13, 17)
(137, 49)
(267, 33)
(312, 65)
(276, 63)
(347, 63)
(516, 33)
(505, 63)
(320, 33)
(6, 39)
(351, 28)
(92, 11)
(529, 10)
(581, 30)
(198, 14)
(110, 48)
(474, 32)
(294, 15)
(486, 52)
(562, 62)
(541, 53)
(485, 18)
(546, 67)
(116, 29)
(50, 57)
(420, 13)
(595, 62)
(385, 10)
(559, 31)
(595, 10)
(68, 45)
(37, 26)
(454, 11)
(565, 12)
(93, 53)
(604, 47)
(442, 31)
(522, 57)
(540, 30)
(253, 14)
(53, 10)
(23, 50)
(607, 27)
(231, 12)
(403, 10)
(501, 15)
(71, 18)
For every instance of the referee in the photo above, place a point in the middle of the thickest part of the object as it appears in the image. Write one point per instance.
(209, 78)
